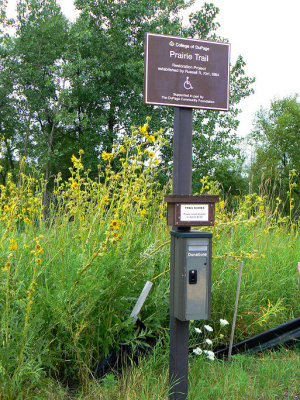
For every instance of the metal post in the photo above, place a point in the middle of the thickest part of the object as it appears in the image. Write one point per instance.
(182, 184)
(237, 295)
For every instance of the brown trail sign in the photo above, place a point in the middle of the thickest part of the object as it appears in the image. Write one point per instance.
(184, 72)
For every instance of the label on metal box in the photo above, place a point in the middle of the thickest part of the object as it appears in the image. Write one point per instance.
(197, 254)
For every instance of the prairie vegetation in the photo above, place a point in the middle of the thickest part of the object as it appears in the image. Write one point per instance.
(69, 281)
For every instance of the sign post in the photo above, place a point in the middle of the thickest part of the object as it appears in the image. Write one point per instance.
(182, 184)
(186, 74)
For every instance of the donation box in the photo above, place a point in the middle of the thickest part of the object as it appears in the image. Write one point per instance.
(191, 260)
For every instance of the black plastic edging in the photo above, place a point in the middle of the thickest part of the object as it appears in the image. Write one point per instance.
(287, 334)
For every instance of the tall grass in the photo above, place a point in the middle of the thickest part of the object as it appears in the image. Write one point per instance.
(269, 376)
(68, 284)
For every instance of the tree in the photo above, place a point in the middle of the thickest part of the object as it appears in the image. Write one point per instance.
(80, 85)
(276, 136)
(230, 173)
(216, 141)
(42, 35)
(7, 112)
(110, 69)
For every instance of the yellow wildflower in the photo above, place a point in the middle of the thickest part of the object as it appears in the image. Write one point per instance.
(78, 165)
(6, 266)
(143, 129)
(115, 224)
(151, 154)
(106, 156)
(143, 212)
(151, 138)
(13, 245)
(39, 249)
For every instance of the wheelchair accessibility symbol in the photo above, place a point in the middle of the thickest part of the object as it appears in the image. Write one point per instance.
(187, 84)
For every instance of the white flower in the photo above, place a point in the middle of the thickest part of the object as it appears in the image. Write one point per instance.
(198, 330)
(223, 322)
(208, 328)
(208, 341)
(210, 354)
(197, 351)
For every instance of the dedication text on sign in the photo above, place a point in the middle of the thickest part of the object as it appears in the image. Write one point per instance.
(186, 72)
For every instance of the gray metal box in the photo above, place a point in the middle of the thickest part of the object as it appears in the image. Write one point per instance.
(192, 274)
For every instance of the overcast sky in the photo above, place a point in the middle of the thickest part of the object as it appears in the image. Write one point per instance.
(266, 33)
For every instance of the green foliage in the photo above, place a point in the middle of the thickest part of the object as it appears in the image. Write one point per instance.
(270, 376)
(8, 124)
(276, 136)
(59, 311)
(68, 284)
(215, 139)
(229, 173)
(39, 52)
(79, 85)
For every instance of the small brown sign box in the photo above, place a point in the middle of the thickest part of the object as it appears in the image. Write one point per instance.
(178, 203)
